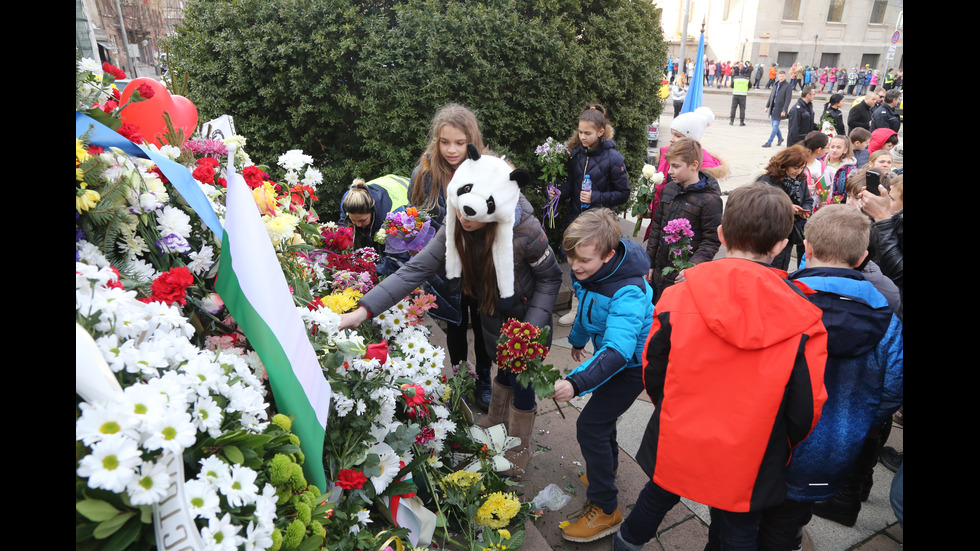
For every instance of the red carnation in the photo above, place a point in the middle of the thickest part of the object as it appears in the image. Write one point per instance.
(254, 176)
(171, 286)
(204, 172)
(94, 150)
(145, 91)
(349, 479)
(131, 132)
(116, 72)
(116, 94)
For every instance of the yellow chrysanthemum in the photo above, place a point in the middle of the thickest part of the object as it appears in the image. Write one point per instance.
(498, 510)
(342, 302)
(81, 155)
(462, 479)
(504, 534)
(86, 200)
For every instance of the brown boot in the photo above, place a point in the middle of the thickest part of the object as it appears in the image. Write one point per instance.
(520, 424)
(500, 399)
(593, 524)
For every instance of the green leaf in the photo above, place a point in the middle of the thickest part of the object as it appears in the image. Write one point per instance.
(109, 527)
(96, 509)
(124, 537)
(311, 543)
(233, 454)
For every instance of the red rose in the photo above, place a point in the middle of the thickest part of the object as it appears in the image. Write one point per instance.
(377, 351)
(349, 479)
(171, 286)
(116, 72)
(145, 91)
(94, 150)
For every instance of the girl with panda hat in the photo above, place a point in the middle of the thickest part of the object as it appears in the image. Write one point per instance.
(493, 247)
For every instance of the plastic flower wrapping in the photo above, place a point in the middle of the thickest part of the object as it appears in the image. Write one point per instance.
(192, 423)
(408, 230)
(552, 156)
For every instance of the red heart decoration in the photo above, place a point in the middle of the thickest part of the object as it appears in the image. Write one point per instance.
(148, 114)
(184, 116)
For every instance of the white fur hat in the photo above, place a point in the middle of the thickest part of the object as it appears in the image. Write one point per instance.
(485, 189)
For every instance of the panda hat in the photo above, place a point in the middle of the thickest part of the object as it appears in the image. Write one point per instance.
(485, 189)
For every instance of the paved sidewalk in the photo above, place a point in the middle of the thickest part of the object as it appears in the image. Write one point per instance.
(557, 460)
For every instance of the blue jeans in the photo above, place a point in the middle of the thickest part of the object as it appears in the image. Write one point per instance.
(728, 531)
(776, 133)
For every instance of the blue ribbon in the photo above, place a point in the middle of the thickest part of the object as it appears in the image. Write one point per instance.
(181, 178)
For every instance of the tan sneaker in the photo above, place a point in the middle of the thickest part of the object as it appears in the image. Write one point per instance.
(594, 524)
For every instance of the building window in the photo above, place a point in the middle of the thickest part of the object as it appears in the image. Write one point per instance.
(733, 10)
(836, 11)
(786, 59)
(791, 10)
(878, 12)
(829, 60)
(869, 60)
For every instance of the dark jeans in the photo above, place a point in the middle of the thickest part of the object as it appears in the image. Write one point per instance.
(596, 432)
(728, 531)
(457, 343)
(782, 525)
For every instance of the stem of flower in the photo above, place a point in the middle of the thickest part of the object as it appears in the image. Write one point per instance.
(559, 408)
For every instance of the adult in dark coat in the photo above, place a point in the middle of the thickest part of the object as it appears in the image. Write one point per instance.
(801, 118)
(860, 114)
(884, 115)
(777, 106)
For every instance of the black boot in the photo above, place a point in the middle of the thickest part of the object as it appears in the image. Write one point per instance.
(482, 391)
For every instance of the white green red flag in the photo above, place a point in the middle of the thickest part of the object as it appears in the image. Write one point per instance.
(254, 289)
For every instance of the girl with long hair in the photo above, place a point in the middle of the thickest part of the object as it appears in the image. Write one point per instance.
(496, 249)
(453, 127)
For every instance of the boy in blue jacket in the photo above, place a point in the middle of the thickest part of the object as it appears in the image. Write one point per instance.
(615, 311)
(863, 376)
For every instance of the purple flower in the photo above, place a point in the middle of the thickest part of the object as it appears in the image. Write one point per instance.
(173, 243)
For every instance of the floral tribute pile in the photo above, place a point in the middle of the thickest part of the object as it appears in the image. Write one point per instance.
(184, 400)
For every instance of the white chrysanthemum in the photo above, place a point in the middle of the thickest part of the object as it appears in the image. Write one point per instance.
(207, 416)
(294, 160)
(214, 471)
(221, 535)
(133, 246)
(112, 464)
(141, 271)
(89, 65)
(312, 177)
(363, 518)
(342, 405)
(150, 485)
(202, 498)
(90, 254)
(239, 488)
(172, 220)
(172, 431)
(201, 261)
(170, 152)
(102, 420)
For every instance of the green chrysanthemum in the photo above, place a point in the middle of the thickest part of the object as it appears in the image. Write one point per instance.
(280, 469)
(283, 422)
(294, 535)
(297, 481)
(303, 512)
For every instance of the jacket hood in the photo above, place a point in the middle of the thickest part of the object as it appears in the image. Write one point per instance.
(855, 314)
(878, 138)
(772, 309)
(630, 260)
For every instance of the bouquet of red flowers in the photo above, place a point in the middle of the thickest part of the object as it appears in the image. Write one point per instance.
(521, 349)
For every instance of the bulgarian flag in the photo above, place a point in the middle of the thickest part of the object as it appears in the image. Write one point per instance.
(253, 288)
